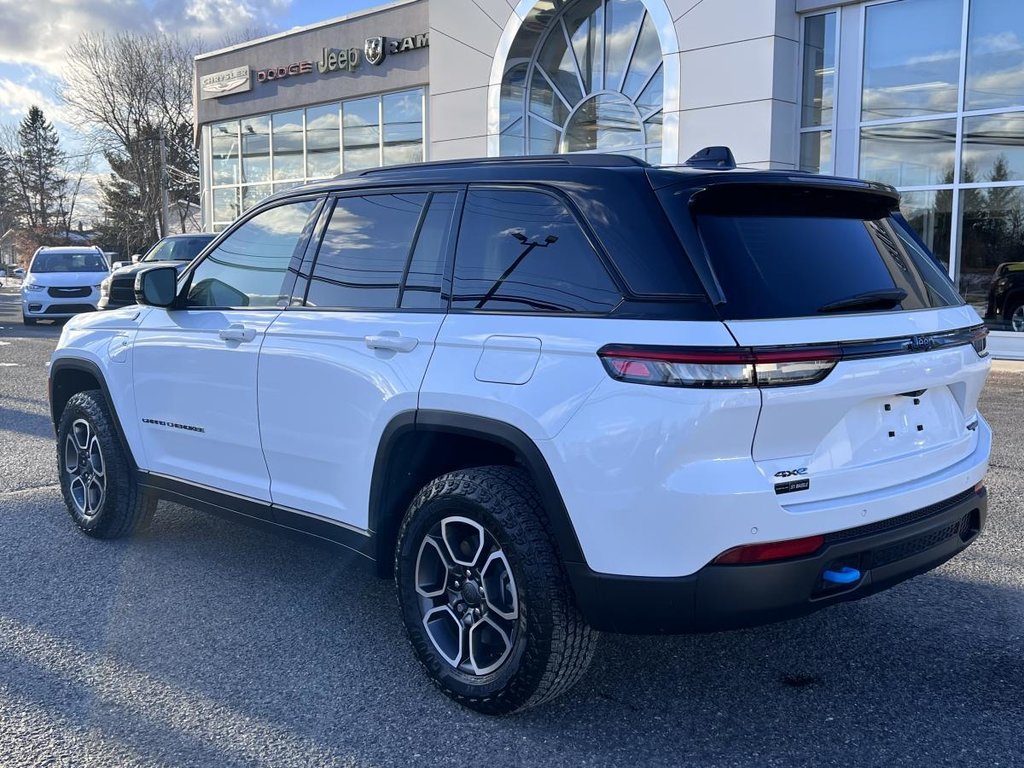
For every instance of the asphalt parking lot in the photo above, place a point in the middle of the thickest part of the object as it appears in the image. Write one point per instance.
(202, 642)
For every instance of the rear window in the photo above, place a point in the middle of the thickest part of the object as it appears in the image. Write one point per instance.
(177, 249)
(803, 253)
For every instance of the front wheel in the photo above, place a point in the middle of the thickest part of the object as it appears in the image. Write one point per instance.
(483, 594)
(28, 320)
(96, 477)
(1015, 316)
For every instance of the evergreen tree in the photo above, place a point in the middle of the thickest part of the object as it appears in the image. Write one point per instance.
(1003, 216)
(9, 203)
(128, 225)
(39, 170)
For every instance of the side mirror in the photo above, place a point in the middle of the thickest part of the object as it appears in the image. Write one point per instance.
(156, 287)
(136, 258)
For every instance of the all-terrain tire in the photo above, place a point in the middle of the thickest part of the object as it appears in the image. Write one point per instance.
(1012, 312)
(552, 645)
(121, 507)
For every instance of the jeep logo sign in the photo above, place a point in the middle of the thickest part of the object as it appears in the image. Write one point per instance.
(375, 50)
(332, 60)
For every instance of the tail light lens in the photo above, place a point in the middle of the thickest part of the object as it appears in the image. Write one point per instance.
(980, 342)
(775, 550)
(718, 367)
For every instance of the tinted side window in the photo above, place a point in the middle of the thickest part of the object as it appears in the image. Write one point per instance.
(422, 288)
(251, 267)
(365, 251)
(521, 250)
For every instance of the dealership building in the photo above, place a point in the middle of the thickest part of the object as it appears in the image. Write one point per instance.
(926, 95)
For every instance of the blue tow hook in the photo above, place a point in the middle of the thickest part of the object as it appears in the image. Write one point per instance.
(845, 575)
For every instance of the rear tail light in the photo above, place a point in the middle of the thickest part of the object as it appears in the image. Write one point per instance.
(718, 367)
(775, 550)
(980, 342)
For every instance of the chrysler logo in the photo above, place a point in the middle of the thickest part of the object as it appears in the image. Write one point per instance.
(374, 49)
(230, 81)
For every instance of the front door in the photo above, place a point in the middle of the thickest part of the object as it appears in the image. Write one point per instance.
(335, 371)
(196, 366)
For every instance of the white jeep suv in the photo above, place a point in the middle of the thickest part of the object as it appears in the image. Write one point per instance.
(62, 282)
(550, 396)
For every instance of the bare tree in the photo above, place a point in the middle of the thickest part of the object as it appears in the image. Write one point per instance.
(128, 92)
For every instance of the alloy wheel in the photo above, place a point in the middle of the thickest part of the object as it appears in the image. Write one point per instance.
(83, 462)
(467, 594)
(1017, 319)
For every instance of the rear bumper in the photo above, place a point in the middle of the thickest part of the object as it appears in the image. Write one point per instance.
(721, 597)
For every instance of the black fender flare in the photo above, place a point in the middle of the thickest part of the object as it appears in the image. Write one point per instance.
(87, 366)
(501, 433)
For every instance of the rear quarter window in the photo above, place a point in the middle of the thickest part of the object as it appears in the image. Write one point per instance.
(522, 250)
(780, 253)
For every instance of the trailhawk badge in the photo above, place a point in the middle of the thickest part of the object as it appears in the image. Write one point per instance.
(375, 50)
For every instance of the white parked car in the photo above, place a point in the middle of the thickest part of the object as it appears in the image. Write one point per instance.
(550, 396)
(62, 282)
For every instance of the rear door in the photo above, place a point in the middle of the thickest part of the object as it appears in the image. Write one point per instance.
(798, 267)
(519, 343)
(351, 353)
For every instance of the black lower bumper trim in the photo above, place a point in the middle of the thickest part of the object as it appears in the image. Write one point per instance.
(722, 597)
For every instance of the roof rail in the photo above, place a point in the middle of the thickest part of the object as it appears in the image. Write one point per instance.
(720, 158)
(592, 160)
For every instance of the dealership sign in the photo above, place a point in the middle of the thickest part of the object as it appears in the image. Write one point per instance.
(225, 83)
(375, 50)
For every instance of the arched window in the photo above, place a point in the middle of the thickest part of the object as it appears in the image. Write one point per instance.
(589, 78)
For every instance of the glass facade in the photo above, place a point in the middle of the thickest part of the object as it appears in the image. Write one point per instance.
(928, 95)
(817, 104)
(592, 82)
(256, 156)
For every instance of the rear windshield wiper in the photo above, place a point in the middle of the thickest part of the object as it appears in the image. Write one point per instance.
(886, 298)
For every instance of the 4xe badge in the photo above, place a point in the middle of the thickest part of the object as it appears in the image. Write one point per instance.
(790, 486)
(792, 472)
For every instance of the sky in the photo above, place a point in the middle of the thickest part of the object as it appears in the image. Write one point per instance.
(35, 35)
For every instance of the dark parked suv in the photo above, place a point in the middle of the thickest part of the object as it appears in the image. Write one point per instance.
(118, 290)
(1006, 297)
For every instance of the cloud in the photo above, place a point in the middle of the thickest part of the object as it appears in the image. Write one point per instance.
(38, 33)
(16, 98)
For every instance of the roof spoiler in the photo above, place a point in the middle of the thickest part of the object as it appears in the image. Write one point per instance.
(714, 158)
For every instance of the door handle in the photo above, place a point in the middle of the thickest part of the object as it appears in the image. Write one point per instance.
(392, 343)
(237, 332)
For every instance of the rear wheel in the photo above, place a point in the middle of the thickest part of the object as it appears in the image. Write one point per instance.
(483, 595)
(96, 477)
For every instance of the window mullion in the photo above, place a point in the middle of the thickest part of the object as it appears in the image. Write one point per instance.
(632, 51)
(572, 51)
(954, 229)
